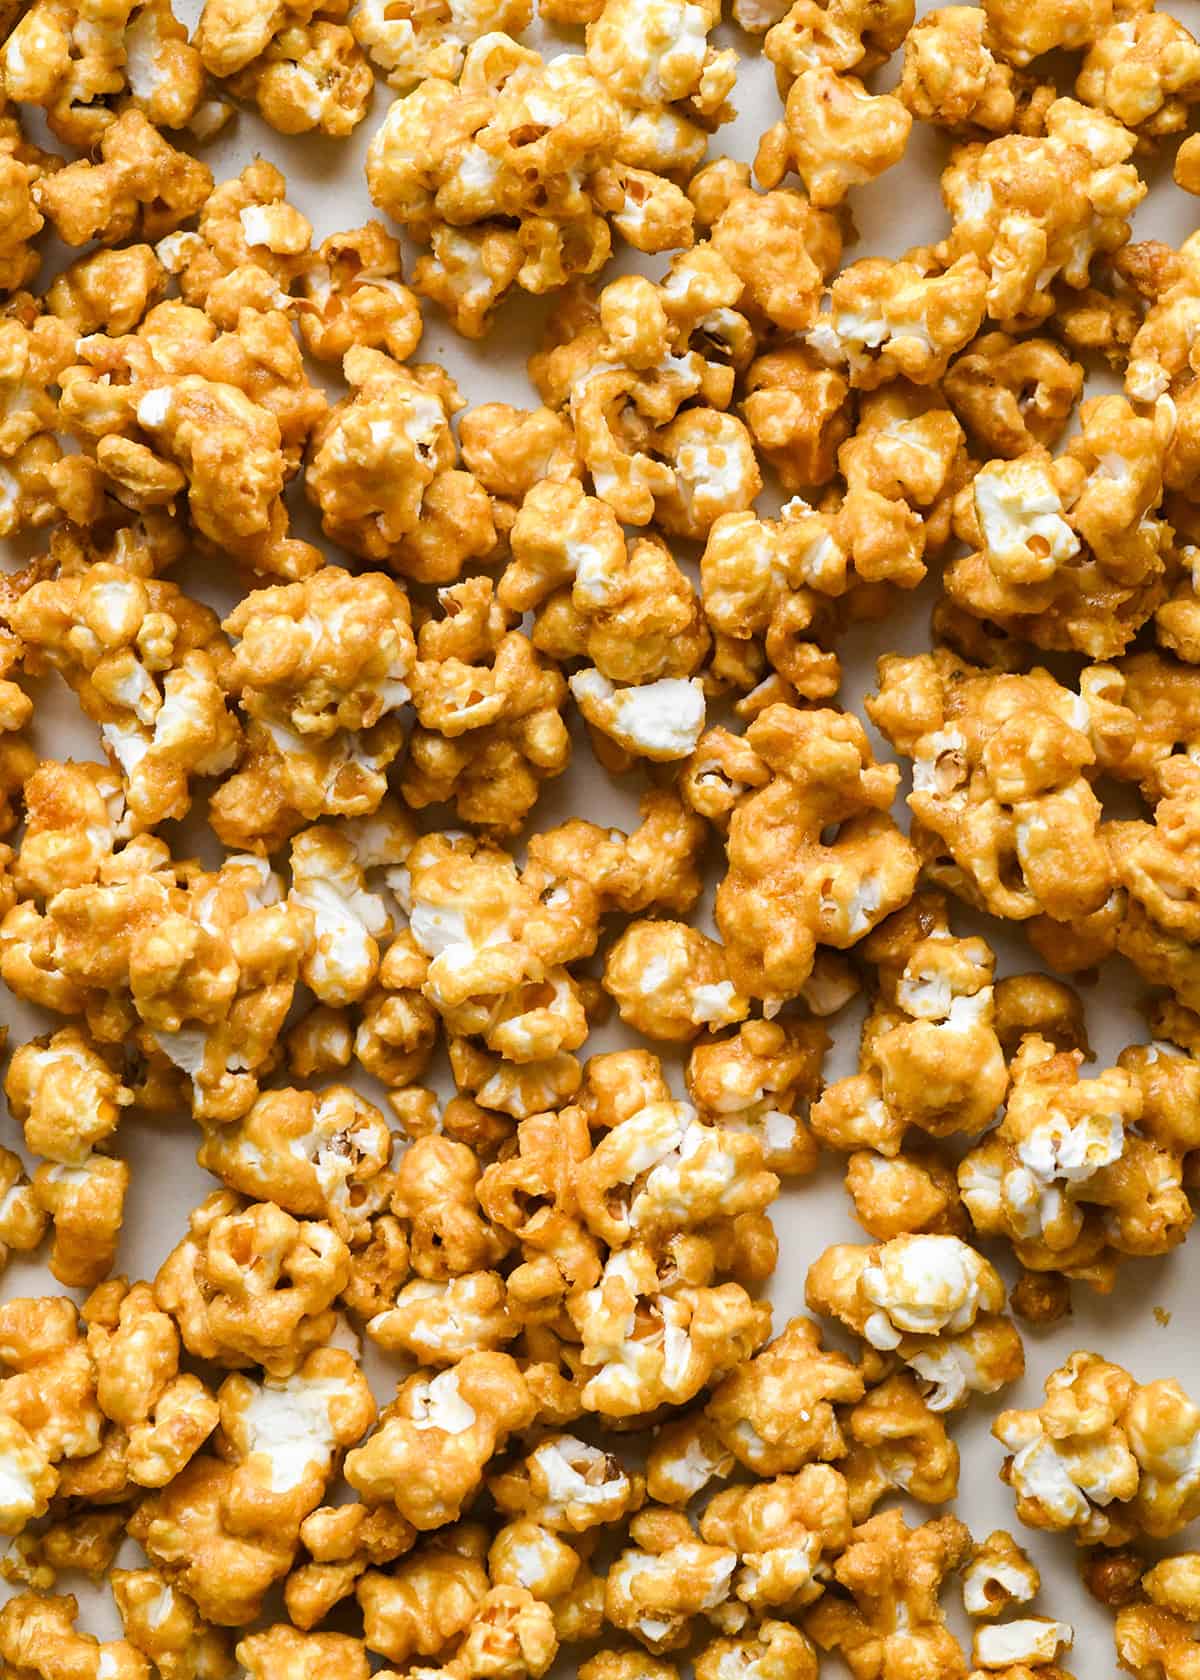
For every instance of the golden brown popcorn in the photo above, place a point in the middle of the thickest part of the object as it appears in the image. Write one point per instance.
(246, 224)
(38, 1638)
(999, 1575)
(658, 1586)
(649, 1340)
(49, 1398)
(771, 1651)
(20, 218)
(784, 1532)
(83, 64)
(141, 184)
(280, 1653)
(251, 1285)
(164, 1626)
(1033, 209)
(22, 1220)
(1106, 1456)
(629, 1665)
(65, 1095)
(1003, 813)
(343, 1542)
(1150, 1640)
(1019, 36)
(166, 1416)
(30, 1478)
(567, 1486)
(1143, 69)
(1012, 394)
(847, 35)
(762, 1080)
(355, 294)
(286, 1437)
(951, 76)
(786, 890)
(185, 1534)
(906, 319)
(929, 1054)
(888, 1612)
(223, 414)
(321, 1155)
(798, 412)
(684, 1457)
(671, 982)
(312, 75)
(897, 1442)
(438, 1321)
(1067, 1178)
(426, 1602)
(835, 135)
(1070, 556)
(1186, 173)
(1029, 1644)
(897, 1195)
(32, 491)
(146, 664)
(779, 246)
(85, 1204)
(489, 728)
(933, 1301)
(430, 1451)
(776, 1413)
(383, 466)
(420, 44)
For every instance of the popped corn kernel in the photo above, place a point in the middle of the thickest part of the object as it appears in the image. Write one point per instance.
(312, 75)
(1003, 812)
(251, 1285)
(785, 1533)
(141, 184)
(889, 320)
(835, 135)
(897, 1441)
(1106, 1457)
(1072, 24)
(1033, 209)
(429, 1453)
(952, 77)
(658, 1586)
(776, 1413)
(356, 294)
(1145, 71)
(998, 1575)
(38, 1637)
(889, 1611)
(932, 1300)
(762, 1080)
(1012, 394)
(671, 982)
(786, 889)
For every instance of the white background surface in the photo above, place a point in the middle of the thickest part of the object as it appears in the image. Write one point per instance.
(903, 208)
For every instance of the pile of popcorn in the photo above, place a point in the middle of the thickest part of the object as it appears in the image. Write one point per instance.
(597, 1441)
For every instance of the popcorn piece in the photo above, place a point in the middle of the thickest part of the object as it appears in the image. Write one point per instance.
(951, 76)
(343, 1541)
(1033, 209)
(141, 184)
(1105, 1456)
(167, 1417)
(566, 1485)
(251, 1285)
(849, 36)
(998, 1576)
(429, 1599)
(22, 1221)
(933, 1301)
(439, 1322)
(929, 1054)
(897, 1441)
(670, 981)
(798, 413)
(65, 1095)
(322, 1156)
(650, 1344)
(74, 61)
(201, 1559)
(786, 890)
(1066, 1150)
(835, 135)
(901, 1194)
(430, 1452)
(763, 1080)
(660, 1584)
(1143, 70)
(776, 1413)
(410, 49)
(86, 1206)
(784, 1531)
(1002, 809)
(1020, 38)
(889, 320)
(1012, 394)
(772, 1648)
(29, 1478)
(146, 664)
(281, 1650)
(313, 75)
(38, 1637)
(1148, 1638)
(686, 1455)
(287, 1435)
(355, 289)
(1070, 553)
(1034, 1640)
(893, 1575)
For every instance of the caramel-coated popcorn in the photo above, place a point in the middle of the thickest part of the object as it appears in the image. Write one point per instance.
(1106, 1457)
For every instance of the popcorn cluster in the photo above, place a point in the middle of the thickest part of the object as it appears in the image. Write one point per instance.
(597, 1435)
